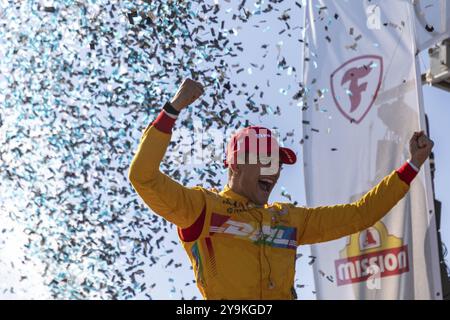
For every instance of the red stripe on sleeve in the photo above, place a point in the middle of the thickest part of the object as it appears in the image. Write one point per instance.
(406, 173)
(164, 123)
(193, 232)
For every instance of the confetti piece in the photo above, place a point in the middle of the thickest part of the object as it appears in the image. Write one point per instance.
(429, 28)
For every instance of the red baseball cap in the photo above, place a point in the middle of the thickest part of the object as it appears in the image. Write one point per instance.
(258, 140)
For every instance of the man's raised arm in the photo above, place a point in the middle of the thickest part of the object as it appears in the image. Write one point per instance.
(166, 197)
(333, 222)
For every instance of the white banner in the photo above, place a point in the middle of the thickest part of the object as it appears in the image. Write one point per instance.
(432, 22)
(362, 106)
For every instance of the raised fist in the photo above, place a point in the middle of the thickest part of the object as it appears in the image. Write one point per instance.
(187, 93)
(420, 148)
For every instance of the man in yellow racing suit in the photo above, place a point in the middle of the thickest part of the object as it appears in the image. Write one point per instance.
(240, 246)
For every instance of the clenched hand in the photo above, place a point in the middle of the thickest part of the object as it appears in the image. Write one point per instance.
(187, 93)
(420, 147)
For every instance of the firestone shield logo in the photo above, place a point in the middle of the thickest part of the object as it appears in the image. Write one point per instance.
(371, 247)
(355, 86)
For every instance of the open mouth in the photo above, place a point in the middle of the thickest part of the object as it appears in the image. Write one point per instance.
(265, 184)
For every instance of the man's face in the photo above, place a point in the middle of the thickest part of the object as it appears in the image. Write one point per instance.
(256, 181)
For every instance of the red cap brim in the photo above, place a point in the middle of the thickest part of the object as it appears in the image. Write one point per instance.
(287, 156)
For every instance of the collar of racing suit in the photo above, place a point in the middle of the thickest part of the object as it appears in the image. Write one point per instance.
(229, 193)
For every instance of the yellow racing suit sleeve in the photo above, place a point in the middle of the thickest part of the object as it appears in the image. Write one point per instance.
(328, 223)
(166, 197)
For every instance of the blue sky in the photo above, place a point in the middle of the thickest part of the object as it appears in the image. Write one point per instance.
(438, 111)
(436, 105)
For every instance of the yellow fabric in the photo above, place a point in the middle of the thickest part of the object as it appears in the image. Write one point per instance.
(230, 258)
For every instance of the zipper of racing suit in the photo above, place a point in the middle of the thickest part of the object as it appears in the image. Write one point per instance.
(261, 237)
(259, 221)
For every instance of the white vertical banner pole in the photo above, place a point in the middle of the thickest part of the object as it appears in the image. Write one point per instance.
(431, 244)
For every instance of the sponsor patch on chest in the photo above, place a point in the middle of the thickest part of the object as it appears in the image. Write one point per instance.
(278, 236)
